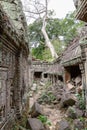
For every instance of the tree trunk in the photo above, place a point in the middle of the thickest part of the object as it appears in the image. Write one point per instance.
(47, 40)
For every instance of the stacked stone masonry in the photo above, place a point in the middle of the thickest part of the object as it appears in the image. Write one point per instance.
(14, 51)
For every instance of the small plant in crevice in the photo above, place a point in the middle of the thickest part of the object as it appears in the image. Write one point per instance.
(82, 119)
(81, 101)
(15, 127)
(44, 120)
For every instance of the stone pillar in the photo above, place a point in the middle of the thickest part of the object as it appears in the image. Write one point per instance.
(86, 76)
(17, 87)
(51, 78)
(82, 68)
(48, 77)
(64, 76)
(83, 44)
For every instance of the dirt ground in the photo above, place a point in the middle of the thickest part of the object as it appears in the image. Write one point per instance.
(53, 112)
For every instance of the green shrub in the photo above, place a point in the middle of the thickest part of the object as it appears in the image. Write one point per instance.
(44, 119)
(47, 97)
(81, 101)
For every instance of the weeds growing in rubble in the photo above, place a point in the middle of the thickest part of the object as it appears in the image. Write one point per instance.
(81, 101)
(44, 119)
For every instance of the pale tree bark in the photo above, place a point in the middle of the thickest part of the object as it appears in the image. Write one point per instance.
(47, 40)
(41, 10)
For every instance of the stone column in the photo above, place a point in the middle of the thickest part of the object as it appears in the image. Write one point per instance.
(83, 44)
(48, 77)
(86, 76)
(17, 87)
(82, 68)
(51, 78)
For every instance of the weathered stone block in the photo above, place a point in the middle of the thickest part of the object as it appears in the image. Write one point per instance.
(62, 125)
(34, 124)
(36, 110)
(78, 124)
(67, 100)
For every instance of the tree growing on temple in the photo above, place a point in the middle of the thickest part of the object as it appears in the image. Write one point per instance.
(38, 10)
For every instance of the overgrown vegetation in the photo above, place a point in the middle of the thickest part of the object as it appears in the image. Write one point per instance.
(47, 97)
(60, 31)
(81, 101)
(44, 119)
(82, 129)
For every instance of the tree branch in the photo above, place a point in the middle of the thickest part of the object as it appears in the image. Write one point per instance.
(32, 12)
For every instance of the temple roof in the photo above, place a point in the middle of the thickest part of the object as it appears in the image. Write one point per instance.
(81, 12)
(72, 54)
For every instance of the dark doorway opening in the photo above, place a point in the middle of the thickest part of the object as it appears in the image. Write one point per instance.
(45, 75)
(60, 78)
(37, 75)
(72, 72)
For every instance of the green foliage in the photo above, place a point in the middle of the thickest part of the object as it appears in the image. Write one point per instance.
(67, 28)
(47, 55)
(47, 97)
(44, 119)
(82, 129)
(21, 123)
(81, 101)
(58, 45)
(47, 85)
(43, 53)
(15, 127)
(72, 110)
(38, 51)
(35, 34)
(82, 119)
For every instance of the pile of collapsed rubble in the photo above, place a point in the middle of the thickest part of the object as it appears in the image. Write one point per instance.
(66, 101)
(73, 86)
(67, 96)
(33, 122)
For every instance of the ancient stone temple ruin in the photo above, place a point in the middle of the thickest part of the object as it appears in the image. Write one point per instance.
(72, 63)
(38, 69)
(14, 53)
(15, 77)
(81, 14)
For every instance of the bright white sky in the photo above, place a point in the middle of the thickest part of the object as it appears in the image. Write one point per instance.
(61, 7)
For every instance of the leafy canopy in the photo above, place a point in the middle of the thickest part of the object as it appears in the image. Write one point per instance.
(60, 32)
